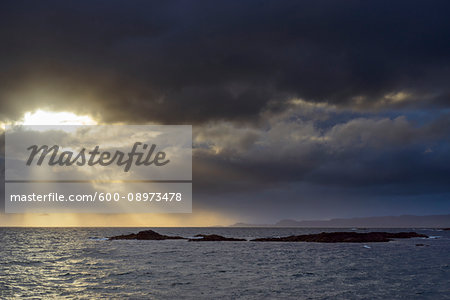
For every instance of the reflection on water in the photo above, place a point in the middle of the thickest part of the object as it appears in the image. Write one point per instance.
(80, 263)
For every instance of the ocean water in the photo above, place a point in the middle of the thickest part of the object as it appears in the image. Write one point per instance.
(79, 263)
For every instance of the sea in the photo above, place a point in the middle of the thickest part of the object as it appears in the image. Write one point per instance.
(80, 263)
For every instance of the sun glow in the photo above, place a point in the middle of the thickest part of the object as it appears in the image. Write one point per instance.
(42, 117)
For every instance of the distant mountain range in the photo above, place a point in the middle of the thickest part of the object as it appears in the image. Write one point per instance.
(404, 221)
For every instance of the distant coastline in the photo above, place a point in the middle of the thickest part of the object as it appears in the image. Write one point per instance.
(403, 221)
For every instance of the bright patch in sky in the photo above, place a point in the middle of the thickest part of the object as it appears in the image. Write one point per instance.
(42, 117)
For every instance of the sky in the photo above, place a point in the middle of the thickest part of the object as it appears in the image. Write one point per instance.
(300, 109)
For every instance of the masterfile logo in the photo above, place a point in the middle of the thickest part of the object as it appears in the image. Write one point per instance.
(91, 158)
(100, 168)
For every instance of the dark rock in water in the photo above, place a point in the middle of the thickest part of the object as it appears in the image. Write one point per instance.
(146, 235)
(405, 235)
(421, 245)
(214, 238)
(344, 237)
(446, 228)
(324, 237)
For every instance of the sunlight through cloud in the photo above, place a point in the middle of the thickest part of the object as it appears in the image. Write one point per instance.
(42, 117)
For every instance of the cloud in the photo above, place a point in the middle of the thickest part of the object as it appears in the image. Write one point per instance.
(294, 146)
(185, 62)
(294, 96)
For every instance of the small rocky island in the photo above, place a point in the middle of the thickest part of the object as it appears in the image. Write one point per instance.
(214, 238)
(344, 237)
(324, 237)
(146, 235)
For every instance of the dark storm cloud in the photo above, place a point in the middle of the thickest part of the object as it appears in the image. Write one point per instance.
(188, 62)
(380, 154)
(328, 102)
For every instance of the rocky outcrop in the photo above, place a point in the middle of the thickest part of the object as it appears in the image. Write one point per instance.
(214, 238)
(146, 235)
(344, 237)
(324, 237)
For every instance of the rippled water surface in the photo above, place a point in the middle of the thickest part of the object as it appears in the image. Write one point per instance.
(78, 263)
